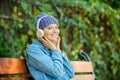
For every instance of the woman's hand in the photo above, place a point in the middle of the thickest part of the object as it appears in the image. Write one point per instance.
(47, 43)
(58, 44)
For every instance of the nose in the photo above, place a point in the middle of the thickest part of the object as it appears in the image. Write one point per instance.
(55, 29)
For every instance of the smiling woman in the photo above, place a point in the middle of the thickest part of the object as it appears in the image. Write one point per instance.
(44, 58)
(52, 32)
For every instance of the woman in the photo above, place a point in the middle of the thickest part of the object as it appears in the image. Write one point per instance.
(44, 58)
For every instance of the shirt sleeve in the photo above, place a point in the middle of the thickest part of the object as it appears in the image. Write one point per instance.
(52, 66)
(68, 66)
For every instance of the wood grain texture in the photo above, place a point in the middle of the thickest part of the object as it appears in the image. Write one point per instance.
(12, 66)
(83, 70)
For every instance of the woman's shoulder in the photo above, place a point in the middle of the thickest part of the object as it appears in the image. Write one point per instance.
(34, 45)
(31, 47)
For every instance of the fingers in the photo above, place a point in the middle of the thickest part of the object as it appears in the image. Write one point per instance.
(58, 38)
(48, 43)
(42, 39)
(47, 39)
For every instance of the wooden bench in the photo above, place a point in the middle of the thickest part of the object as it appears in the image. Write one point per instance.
(15, 69)
(83, 70)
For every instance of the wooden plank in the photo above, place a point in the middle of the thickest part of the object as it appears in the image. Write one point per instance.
(12, 66)
(18, 66)
(83, 77)
(15, 78)
(82, 66)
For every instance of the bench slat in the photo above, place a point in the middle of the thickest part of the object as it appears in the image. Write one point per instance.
(16, 78)
(12, 66)
(83, 77)
(82, 66)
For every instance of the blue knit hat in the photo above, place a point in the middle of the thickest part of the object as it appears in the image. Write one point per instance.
(43, 20)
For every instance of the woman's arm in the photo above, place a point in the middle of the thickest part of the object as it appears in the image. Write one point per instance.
(68, 66)
(52, 66)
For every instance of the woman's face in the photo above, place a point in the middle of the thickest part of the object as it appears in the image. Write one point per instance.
(52, 32)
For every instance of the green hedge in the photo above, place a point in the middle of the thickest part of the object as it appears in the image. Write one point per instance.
(92, 26)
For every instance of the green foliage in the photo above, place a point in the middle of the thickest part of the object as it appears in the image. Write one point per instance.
(90, 25)
(113, 3)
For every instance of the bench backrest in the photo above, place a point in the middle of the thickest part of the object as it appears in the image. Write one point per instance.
(83, 70)
(15, 69)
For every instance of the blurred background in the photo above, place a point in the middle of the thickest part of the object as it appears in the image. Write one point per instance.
(89, 25)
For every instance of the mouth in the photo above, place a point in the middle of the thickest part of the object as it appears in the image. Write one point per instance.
(54, 35)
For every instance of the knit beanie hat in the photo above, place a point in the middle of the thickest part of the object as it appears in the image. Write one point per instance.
(43, 20)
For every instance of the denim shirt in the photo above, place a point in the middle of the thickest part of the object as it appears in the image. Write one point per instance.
(45, 64)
